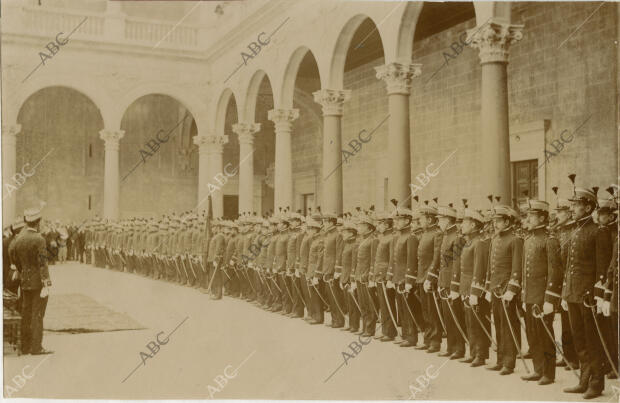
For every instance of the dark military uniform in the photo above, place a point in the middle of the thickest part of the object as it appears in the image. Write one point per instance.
(365, 259)
(383, 261)
(29, 255)
(428, 266)
(349, 259)
(403, 264)
(315, 270)
(506, 254)
(542, 282)
(332, 263)
(450, 251)
(582, 273)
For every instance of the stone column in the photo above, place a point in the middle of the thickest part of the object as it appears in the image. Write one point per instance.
(215, 187)
(111, 176)
(493, 41)
(9, 162)
(283, 193)
(246, 132)
(332, 102)
(203, 171)
(397, 77)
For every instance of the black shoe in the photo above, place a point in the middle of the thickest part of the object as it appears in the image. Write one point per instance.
(407, 343)
(560, 363)
(42, 351)
(422, 347)
(576, 389)
(386, 338)
(591, 394)
(396, 341)
(527, 355)
(354, 331)
(506, 371)
(358, 332)
(478, 362)
(496, 367)
(446, 354)
(433, 349)
(314, 322)
(531, 377)
(467, 360)
(545, 381)
(337, 326)
(345, 329)
(611, 375)
(575, 366)
(457, 356)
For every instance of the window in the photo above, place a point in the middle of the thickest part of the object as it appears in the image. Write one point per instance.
(308, 202)
(525, 180)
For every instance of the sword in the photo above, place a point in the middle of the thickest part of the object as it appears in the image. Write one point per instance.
(598, 330)
(299, 292)
(473, 309)
(438, 311)
(188, 264)
(217, 267)
(181, 265)
(404, 297)
(317, 291)
(449, 302)
(329, 285)
(355, 301)
(540, 316)
(286, 286)
(265, 282)
(248, 279)
(387, 302)
(275, 283)
(512, 333)
(371, 301)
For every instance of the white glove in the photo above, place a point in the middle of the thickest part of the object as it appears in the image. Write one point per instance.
(371, 284)
(599, 304)
(487, 296)
(231, 262)
(564, 305)
(547, 308)
(427, 285)
(44, 292)
(523, 306)
(473, 300)
(353, 286)
(389, 284)
(508, 296)
(337, 275)
(606, 308)
(454, 295)
(408, 287)
(315, 281)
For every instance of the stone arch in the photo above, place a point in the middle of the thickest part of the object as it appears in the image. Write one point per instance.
(85, 87)
(220, 112)
(192, 104)
(247, 113)
(335, 79)
(290, 75)
(406, 31)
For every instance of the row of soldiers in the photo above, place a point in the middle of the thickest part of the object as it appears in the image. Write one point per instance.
(421, 275)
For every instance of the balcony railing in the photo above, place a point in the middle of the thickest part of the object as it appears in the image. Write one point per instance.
(47, 21)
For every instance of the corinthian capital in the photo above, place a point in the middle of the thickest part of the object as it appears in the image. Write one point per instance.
(283, 118)
(111, 138)
(246, 131)
(213, 144)
(398, 76)
(332, 101)
(493, 40)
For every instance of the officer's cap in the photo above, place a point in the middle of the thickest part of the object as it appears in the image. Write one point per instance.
(609, 204)
(562, 204)
(403, 212)
(585, 195)
(312, 223)
(504, 211)
(364, 219)
(446, 211)
(428, 210)
(473, 215)
(19, 223)
(537, 205)
(32, 214)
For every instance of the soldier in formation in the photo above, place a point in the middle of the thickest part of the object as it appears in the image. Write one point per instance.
(413, 277)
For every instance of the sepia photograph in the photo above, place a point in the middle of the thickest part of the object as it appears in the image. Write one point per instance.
(340, 200)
